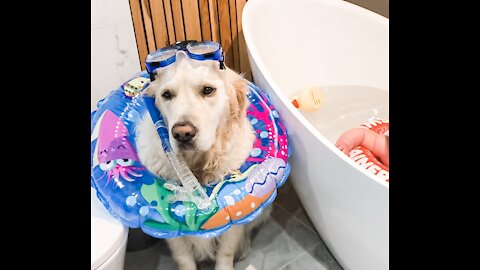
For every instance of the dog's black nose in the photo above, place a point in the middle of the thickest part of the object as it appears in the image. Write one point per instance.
(184, 131)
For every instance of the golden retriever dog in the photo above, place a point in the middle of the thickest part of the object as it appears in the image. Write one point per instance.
(205, 109)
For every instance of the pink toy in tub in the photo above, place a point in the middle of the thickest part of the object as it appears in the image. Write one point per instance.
(368, 146)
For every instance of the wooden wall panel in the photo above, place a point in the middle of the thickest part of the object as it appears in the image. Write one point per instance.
(137, 19)
(191, 19)
(225, 31)
(213, 12)
(233, 22)
(158, 23)
(205, 18)
(147, 22)
(178, 19)
(244, 64)
(169, 19)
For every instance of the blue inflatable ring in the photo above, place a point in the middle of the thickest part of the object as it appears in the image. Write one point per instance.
(137, 197)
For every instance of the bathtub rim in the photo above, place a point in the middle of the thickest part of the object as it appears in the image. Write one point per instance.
(273, 84)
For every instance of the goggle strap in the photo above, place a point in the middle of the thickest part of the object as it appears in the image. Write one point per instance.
(222, 65)
(152, 76)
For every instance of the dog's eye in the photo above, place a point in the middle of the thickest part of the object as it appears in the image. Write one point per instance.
(167, 95)
(207, 90)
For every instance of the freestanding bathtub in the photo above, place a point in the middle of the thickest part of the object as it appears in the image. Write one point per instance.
(295, 43)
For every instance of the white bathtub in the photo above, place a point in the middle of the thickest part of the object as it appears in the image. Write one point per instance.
(293, 43)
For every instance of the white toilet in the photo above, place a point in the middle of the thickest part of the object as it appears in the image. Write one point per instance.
(108, 238)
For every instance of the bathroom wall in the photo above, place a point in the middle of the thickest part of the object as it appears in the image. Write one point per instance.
(114, 52)
(378, 6)
(158, 23)
(114, 55)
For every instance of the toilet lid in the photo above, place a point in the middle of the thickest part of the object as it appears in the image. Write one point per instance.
(107, 233)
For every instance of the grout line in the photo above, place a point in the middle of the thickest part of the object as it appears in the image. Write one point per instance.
(301, 254)
(301, 222)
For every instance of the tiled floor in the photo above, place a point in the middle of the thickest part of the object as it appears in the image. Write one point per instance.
(287, 241)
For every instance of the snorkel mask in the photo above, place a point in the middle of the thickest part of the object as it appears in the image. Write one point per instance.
(198, 50)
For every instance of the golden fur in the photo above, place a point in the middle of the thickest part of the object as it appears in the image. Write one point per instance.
(223, 141)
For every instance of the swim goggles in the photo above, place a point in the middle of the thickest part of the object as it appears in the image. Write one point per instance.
(198, 50)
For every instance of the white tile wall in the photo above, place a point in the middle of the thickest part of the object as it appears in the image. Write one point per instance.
(114, 55)
(109, 12)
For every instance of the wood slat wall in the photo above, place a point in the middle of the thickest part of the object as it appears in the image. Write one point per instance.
(158, 23)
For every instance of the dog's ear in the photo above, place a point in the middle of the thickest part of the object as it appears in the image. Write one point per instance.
(150, 91)
(151, 88)
(238, 99)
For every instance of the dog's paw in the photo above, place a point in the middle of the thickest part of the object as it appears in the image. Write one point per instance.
(187, 264)
(243, 252)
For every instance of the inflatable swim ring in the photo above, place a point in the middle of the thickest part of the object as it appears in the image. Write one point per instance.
(365, 158)
(138, 198)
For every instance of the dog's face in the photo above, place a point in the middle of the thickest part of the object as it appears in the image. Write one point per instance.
(196, 98)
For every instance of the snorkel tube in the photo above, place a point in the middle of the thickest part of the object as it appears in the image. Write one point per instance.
(191, 190)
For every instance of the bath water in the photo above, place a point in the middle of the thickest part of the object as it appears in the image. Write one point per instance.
(347, 106)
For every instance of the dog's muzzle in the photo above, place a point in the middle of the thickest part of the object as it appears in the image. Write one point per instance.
(184, 132)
